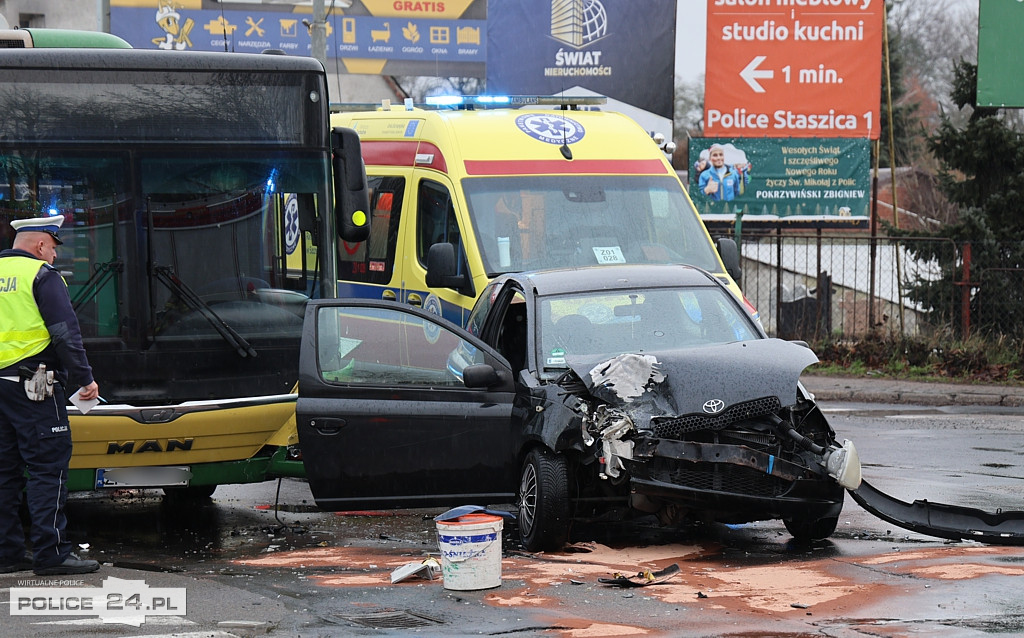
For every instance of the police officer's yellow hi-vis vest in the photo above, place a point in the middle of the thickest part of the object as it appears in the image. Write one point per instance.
(22, 331)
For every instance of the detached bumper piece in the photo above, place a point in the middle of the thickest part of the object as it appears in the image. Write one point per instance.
(943, 521)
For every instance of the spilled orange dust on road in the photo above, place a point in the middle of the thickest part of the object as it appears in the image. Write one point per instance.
(787, 592)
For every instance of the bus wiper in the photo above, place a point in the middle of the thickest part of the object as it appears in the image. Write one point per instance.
(166, 276)
(97, 280)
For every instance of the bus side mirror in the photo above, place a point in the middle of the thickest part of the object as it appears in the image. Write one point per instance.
(730, 257)
(351, 196)
(443, 270)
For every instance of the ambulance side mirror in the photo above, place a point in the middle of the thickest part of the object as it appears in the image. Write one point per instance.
(443, 269)
(730, 257)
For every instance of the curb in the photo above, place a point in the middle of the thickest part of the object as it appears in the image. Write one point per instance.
(910, 392)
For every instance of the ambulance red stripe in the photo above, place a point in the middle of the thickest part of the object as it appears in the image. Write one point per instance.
(577, 166)
(402, 153)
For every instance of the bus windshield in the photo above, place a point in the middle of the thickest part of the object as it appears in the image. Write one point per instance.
(533, 222)
(193, 201)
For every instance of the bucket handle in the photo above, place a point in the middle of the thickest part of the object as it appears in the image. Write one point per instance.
(460, 559)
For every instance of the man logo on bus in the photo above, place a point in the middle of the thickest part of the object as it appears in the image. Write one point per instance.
(175, 34)
(553, 129)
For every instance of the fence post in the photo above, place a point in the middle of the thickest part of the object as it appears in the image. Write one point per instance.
(965, 293)
(819, 293)
(778, 281)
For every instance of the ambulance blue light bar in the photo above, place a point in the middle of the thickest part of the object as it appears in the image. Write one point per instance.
(573, 102)
(469, 101)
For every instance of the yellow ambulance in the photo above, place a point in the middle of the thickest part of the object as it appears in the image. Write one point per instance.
(467, 188)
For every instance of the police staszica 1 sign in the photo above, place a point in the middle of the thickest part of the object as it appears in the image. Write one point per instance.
(793, 68)
(825, 181)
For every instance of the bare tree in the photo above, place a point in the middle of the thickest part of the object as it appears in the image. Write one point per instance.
(933, 36)
(688, 118)
(420, 87)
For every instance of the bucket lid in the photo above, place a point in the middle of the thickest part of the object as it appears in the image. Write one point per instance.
(472, 519)
(462, 510)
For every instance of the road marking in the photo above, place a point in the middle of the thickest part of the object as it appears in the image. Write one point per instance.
(169, 621)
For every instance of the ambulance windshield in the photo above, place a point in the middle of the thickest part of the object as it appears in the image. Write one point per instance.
(534, 222)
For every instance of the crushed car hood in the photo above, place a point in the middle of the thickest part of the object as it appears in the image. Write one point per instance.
(696, 380)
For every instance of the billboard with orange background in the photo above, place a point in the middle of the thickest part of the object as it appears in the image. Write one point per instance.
(793, 68)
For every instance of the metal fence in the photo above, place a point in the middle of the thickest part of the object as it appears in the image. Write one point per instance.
(815, 286)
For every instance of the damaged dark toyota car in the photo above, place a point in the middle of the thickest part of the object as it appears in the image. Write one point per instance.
(573, 393)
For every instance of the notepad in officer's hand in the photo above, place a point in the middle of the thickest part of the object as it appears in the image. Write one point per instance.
(82, 404)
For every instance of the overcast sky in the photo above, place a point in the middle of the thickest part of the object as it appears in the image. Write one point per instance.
(691, 35)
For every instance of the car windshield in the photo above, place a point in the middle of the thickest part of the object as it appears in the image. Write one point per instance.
(535, 222)
(609, 323)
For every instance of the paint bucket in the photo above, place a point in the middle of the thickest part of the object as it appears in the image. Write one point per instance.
(470, 551)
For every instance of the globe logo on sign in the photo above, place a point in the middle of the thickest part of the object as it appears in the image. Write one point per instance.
(578, 22)
(553, 129)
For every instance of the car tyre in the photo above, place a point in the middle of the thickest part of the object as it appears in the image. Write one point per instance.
(544, 501)
(805, 530)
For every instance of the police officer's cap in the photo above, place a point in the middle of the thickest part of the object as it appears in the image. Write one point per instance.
(49, 225)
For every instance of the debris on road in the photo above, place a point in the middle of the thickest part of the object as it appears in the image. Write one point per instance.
(428, 569)
(642, 579)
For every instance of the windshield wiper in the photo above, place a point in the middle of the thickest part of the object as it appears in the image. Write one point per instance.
(97, 280)
(167, 277)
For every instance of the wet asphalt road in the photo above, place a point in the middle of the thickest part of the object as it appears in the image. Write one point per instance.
(248, 570)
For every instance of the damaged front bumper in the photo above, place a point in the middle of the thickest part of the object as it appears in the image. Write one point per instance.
(943, 521)
(732, 478)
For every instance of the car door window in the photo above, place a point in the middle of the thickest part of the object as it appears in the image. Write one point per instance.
(384, 346)
(512, 334)
(475, 323)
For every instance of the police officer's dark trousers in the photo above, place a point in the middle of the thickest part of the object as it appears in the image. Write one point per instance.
(34, 435)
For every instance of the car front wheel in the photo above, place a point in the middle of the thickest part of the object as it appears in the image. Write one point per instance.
(544, 501)
(804, 530)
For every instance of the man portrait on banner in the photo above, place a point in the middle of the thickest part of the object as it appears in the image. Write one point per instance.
(722, 181)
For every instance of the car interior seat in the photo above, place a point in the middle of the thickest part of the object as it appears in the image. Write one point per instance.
(512, 338)
(574, 333)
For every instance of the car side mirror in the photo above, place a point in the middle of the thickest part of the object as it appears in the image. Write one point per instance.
(730, 257)
(480, 375)
(442, 269)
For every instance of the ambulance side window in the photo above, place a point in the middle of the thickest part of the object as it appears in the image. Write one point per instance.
(436, 222)
(373, 260)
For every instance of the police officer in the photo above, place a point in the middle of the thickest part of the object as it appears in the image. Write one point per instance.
(38, 327)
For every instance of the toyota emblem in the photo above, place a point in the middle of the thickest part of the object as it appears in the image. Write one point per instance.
(714, 406)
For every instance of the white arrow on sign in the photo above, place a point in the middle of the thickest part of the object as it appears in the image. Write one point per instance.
(751, 74)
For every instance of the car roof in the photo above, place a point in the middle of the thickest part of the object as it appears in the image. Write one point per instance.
(591, 278)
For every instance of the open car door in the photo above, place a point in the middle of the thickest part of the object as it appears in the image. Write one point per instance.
(383, 415)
